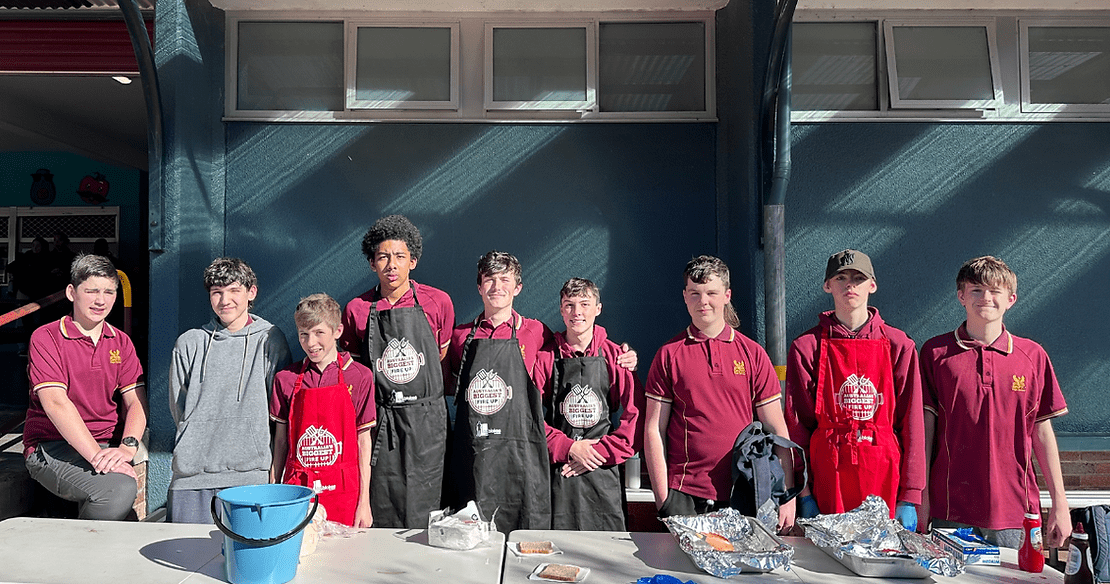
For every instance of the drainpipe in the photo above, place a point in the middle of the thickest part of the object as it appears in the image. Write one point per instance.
(144, 55)
(776, 146)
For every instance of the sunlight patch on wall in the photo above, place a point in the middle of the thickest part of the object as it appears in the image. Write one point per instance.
(277, 161)
(335, 260)
(1073, 249)
(580, 252)
(455, 184)
(1100, 180)
(929, 171)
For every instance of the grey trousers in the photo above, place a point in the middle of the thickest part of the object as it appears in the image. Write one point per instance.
(64, 472)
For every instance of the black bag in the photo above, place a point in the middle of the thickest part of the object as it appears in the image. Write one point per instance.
(757, 474)
(1096, 522)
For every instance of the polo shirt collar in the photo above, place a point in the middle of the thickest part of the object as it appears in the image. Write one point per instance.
(70, 331)
(693, 333)
(1003, 344)
(484, 323)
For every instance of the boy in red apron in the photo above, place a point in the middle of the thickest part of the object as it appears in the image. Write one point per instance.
(324, 409)
(853, 401)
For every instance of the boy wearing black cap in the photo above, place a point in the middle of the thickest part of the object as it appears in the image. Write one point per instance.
(853, 401)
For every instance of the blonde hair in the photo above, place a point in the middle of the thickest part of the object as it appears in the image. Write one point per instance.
(315, 309)
(986, 271)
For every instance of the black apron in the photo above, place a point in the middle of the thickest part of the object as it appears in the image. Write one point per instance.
(580, 409)
(411, 437)
(500, 457)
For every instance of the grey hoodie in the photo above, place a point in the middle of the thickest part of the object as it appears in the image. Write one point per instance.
(220, 384)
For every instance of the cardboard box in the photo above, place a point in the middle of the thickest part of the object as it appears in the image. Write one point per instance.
(970, 548)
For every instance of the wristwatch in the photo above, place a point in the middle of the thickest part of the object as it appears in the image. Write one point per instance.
(130, 441)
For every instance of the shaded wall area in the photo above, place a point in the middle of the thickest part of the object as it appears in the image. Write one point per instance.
(923, 198)
(625, 205)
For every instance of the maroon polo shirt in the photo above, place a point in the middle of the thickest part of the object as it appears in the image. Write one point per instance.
(987, 400)
(713, 387)
(619, 444)
(532, 335)
(91, 374)
(436, 304)
(359, 380)
(801, 394)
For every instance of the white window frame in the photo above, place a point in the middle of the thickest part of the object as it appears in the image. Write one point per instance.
(350, 66)
(471, 68)
(231, 69)
(896, 102)
(587, 105)
(1024, 24)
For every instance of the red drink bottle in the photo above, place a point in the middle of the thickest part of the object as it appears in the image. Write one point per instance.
(1030, 558)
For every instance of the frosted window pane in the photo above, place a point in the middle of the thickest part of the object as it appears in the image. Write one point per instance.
(403, 64)
(943, 63)
(290, 66)
(833, 66)
(1069, 65)
(652, 67)
(539, 64)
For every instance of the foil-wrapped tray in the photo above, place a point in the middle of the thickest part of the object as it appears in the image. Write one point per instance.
(868, 542)
(755, 548)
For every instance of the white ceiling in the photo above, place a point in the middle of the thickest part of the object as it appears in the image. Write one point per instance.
(96, 117)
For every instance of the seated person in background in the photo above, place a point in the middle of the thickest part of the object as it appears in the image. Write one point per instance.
(324, 409)
(990, 397)
(583, 388)
(78, 366)
(706, 385)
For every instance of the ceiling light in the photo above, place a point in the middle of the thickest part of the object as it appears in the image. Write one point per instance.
(123, 79)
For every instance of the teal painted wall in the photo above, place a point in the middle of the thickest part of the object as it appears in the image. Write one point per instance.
(923, 198)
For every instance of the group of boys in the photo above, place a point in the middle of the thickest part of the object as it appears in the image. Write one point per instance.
(544, 419)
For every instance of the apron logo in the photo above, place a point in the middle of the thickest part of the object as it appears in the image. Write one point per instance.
(738, 368)
(488, 393)
(318, 447)
(400, 362)
(1019, 383)
(581, 407)
(859, 397)
(482, 430)
(113, 356)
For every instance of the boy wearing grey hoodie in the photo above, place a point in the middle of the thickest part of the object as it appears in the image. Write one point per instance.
(220, 380)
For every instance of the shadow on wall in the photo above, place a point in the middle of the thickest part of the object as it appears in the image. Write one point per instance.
(923, 198)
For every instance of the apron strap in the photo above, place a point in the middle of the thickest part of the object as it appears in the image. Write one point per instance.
(387, 420)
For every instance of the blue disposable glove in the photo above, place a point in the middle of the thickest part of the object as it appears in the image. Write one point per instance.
(807, 507)
(906, 514)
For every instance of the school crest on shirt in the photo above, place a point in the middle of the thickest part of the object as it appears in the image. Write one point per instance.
(318, 447)
(581, 407)
(1019, 383)
(488, 393)
(738, 367)
(858, 396)
(400, 362)
(113, 356)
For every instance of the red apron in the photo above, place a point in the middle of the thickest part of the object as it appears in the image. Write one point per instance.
(854, 452)
(323, 445)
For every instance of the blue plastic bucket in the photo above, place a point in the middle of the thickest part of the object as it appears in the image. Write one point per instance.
(263, 526)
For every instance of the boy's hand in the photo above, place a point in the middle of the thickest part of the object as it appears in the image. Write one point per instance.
(363, 516)
(1058, 526)
(582, 455)
(906, 514)
(786, 517)
(628, 359)
(107, 459)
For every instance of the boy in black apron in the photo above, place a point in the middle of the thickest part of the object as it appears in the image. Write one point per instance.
(583, 388)
(409, 327)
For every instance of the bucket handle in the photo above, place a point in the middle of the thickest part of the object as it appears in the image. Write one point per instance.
(269, 541)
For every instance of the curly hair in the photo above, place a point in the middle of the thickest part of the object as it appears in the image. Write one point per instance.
(393, 227)
(226, 271)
